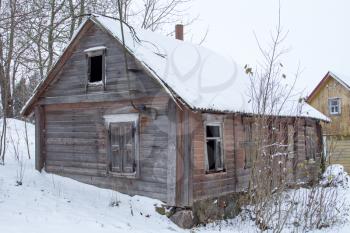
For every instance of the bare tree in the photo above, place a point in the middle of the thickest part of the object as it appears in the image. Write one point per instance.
(274, 159)
(34, 32)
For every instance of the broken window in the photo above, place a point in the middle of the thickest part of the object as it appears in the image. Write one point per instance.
(250, 148)
(123, 147)
(95, 58)
(214, 148)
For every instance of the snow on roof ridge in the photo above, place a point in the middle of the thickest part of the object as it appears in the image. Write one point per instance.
(203, 79)
(226, 87)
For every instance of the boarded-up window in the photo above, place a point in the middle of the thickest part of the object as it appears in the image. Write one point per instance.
(123, 147)
(214, 148)
(250, 148)
(310, 143)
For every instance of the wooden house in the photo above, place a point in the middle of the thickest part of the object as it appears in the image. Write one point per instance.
(169, 120)
(332, 98)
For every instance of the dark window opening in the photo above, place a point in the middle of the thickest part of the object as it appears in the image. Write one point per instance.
(95, 69)
(213, 131)
(214, 148)
(214, 154)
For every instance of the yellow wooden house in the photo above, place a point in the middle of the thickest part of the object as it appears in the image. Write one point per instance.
(332, 98)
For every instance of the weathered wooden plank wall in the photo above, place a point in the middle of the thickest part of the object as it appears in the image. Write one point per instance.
(172, 146)
(340, 123)
(76, 147)
(40, 150)
(338, 130)
(216, 184)
(75, 130)
(236, 178)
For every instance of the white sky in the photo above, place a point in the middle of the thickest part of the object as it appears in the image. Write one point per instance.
(319, 33)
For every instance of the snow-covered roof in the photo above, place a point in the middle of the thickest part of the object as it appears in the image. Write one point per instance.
(203, 79)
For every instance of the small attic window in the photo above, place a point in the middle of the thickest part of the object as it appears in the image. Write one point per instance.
(334, 105)
(95, 65)
(95, 69)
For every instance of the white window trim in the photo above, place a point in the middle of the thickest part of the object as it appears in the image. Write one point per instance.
(94, 52)
(120, 118)
(221, 126)
(339, 106)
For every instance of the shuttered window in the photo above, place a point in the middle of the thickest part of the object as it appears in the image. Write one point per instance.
(123, 147)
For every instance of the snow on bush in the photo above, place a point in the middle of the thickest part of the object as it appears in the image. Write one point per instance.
(335, 176)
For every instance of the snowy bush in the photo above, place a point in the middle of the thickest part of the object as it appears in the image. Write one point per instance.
(300, 210)
(335, 176)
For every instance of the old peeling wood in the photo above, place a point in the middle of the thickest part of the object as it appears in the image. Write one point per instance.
(180, 158)
(39, 138)
(172, 155)
(187, 159)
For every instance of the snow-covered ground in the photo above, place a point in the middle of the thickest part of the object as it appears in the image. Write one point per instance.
(50, 203)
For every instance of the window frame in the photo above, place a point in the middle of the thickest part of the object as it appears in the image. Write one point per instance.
(222, 151)
(123, 118)
(95, 52)
(330, 106)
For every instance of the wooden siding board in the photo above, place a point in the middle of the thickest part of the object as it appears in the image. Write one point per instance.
(172, 155)
(39, 135)
(217, 184)
(71, 155)
(76, 138)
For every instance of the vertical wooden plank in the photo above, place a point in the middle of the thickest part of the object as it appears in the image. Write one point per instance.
(172, 154)
(116, 147)
(187, 158)
(104, 70)
(190, 152)
(87, 74)
(129, 151)
(39, 138)
(180, 158)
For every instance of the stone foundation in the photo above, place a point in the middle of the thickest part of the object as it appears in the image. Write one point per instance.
(206, 211)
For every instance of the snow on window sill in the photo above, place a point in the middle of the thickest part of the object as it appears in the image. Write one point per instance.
(95, 84)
